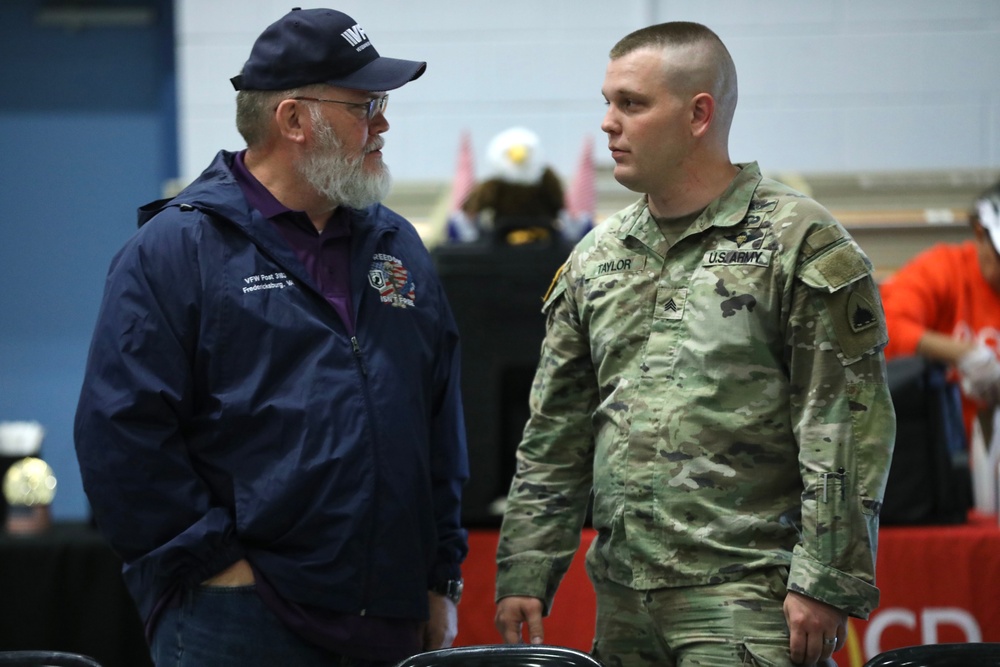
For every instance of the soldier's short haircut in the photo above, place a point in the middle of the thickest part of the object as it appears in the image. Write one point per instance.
(686, 33)
(674, 33)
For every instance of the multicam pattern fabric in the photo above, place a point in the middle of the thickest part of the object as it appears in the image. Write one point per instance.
(722, 392)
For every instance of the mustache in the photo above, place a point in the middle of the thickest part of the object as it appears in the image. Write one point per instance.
(375, 144)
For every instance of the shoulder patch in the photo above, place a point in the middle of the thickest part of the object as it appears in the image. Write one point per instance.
(849, 301)
(822, 238)
(555, 280)
(860, 313)
(836, 267)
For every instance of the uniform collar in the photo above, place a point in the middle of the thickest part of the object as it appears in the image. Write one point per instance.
(727, 210)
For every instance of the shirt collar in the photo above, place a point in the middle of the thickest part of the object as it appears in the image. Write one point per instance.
(259, 197)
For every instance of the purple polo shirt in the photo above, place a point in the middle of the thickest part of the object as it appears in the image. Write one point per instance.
(326, 256)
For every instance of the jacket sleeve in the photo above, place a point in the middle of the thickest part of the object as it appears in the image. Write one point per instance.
(449, 455)
(843, 419)
(547, 502)
(135, 406)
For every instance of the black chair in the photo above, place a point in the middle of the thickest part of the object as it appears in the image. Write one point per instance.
(972, 654)
(929, 479)
(45, 659)
(502, 655)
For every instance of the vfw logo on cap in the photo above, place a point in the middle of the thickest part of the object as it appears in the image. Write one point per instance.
(356, 37)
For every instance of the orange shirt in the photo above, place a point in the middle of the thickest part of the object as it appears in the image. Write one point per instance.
(942, 290)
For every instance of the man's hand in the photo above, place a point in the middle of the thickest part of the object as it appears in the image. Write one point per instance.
(237, 574)
(980, 374)
(442, 628)
(817, 629)
(513, 612)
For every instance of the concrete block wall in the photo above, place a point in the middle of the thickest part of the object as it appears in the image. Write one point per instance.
(832, 86)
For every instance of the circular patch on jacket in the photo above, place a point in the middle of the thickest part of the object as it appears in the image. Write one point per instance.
(392, 280)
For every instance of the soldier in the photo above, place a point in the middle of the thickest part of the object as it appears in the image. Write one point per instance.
(713, 372)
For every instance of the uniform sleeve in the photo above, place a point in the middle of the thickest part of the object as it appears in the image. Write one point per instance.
(843, 420)
(134, 409)
(913, 299)
(548, 496)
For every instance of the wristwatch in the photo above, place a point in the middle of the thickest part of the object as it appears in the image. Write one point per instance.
(451, 589)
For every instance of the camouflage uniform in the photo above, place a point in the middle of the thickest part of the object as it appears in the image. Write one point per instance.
(722, 392)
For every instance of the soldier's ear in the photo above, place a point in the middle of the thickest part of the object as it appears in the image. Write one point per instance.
(702, 113)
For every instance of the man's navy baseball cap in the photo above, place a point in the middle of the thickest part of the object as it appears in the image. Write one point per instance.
(309, 46)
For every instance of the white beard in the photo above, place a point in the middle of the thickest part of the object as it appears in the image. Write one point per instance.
(342, 180)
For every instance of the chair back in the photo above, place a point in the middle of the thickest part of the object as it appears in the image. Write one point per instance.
(971, 654)
(45, 659)
(502, 655)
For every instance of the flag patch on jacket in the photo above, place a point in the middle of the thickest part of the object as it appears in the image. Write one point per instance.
(393, 282)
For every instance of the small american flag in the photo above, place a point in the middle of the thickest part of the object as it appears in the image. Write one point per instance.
(459, 227)
(581, 198)
(465, 173)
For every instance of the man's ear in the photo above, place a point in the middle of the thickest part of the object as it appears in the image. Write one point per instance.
(290, 118)
(702, 113)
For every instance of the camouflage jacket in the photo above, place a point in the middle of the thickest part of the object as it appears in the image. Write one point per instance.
(723, 395)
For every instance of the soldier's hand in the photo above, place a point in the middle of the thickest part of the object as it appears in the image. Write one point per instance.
(513, 613)
(817, 629)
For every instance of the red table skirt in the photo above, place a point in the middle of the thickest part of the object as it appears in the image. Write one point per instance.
(938, 583)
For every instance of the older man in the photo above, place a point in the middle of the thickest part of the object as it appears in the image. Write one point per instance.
(270, 430)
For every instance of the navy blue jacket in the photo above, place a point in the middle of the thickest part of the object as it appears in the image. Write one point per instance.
(226, 412)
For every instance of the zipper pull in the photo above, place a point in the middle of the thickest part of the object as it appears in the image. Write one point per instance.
(357, 355)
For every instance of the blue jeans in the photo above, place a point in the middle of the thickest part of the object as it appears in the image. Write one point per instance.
(221, 626)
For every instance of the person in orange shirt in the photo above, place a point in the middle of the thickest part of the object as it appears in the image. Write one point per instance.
(945, 305)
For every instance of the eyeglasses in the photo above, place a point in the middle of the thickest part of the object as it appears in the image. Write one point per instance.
(375, 105)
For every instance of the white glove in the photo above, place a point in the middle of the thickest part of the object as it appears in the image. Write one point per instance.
(980, 371)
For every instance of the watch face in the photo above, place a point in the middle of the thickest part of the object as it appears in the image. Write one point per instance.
(452, 590)
(455, 590)
(29, 481)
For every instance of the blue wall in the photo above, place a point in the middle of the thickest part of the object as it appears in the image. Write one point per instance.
(87, 134)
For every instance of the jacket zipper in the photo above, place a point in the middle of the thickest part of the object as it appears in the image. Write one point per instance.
(357, 253)
(357, 355)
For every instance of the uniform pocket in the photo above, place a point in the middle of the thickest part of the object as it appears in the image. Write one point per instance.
(764, 652)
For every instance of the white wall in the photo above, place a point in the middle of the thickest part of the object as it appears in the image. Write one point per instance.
(825, 86)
